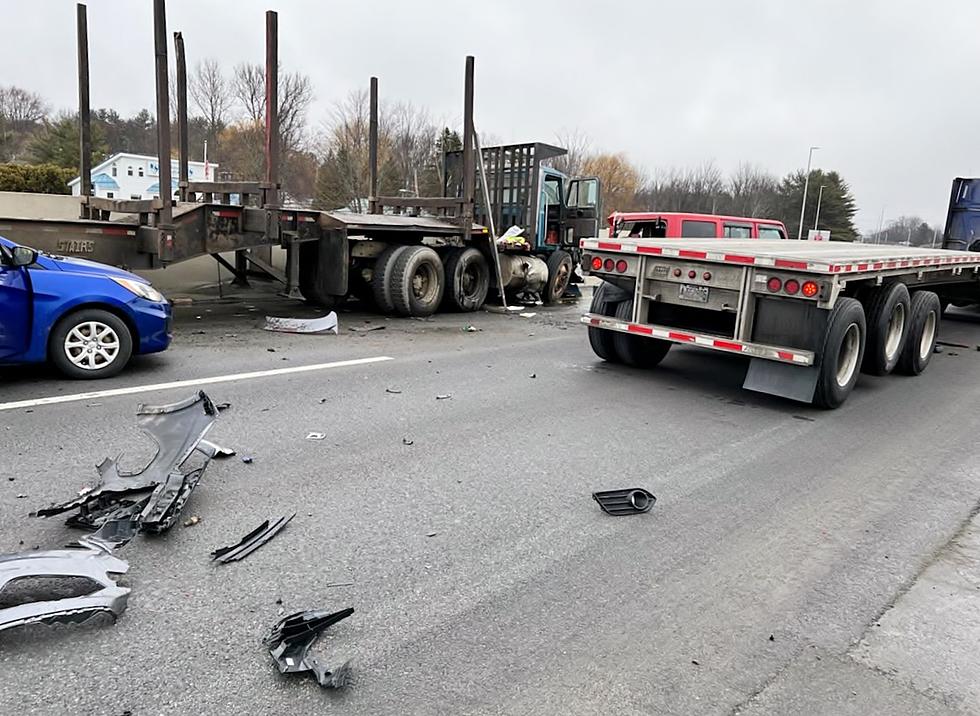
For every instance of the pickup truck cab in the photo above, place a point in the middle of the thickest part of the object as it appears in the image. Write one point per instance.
(87, 318)
(677, 225)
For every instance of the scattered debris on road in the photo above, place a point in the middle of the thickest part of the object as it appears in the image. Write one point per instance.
(191, 521)
(252, 541)
(291, 638)
(215, 451)
(153, 497)
(314, 326)
(633, 501)
(316, 436)
(527, 314)
(58, 571)
(406, 441)
(222, 407)
(444, 396)
(365, 329)
(247, 460)
(471, 329)
(950, 344)
(393, 391)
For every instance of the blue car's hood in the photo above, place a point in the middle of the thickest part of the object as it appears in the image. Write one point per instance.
(69, 263)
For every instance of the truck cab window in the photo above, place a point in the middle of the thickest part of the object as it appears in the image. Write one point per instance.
(770, 232)
(737, 231)
(691, 229)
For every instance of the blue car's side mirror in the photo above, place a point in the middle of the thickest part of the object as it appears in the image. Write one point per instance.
(23, 256)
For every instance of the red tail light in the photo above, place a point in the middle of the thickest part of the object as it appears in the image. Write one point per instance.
(792, 286)
(706, 275)
(677, 273)
(774, 284)
(596, 263)
(621, 266)
(810, 289)
(692, 274)
(609, 265)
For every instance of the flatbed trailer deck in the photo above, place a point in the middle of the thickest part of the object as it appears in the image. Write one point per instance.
(778, 303)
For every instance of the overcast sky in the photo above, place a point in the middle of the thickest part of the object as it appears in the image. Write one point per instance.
(884, 87)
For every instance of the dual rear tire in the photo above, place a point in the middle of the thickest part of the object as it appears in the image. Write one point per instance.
(618, 347)
(413, 281)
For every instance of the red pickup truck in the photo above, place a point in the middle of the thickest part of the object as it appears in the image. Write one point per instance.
(676, 225)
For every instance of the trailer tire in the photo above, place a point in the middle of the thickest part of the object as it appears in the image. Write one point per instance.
(841, 354)
(887, 313)
(601, 339)
(381, 283)
(417, 282)
(467, 279)
(924, 317)
(560, 269)
(637, 351)
(68, 340)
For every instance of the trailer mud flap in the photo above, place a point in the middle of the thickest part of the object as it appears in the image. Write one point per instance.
(324, 264)
(796, 382)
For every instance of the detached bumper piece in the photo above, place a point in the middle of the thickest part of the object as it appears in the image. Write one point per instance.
(252, 541)
(291, 638)
(60, 586)
(124, 504)
(634, 501)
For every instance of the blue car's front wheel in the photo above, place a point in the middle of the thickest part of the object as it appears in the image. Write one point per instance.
(90, 344)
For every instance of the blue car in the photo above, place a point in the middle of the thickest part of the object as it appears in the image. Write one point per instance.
(88, 319)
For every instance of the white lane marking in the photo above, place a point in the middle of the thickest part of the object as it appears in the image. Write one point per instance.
(53, 400)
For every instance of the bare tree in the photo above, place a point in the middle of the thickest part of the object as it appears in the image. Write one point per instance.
(18, 106)
(413, 140)
(295, 97)
(248, 86)
(752, 191)
(579, 148)
(211, 94)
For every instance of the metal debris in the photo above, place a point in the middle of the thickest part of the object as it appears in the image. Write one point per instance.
(633, 501)
(153, 497)
(252, 541)
(56, 569)
(291, 638)
(324, 324)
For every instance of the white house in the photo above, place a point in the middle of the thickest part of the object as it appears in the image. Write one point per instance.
(136, 176)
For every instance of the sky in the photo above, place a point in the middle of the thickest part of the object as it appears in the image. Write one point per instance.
(883, 87)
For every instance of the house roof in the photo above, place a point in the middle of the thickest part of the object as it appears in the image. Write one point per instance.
(104, 181)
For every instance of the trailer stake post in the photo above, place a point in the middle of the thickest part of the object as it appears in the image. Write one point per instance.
(469, 171)
(182, 138)
(163, 123)
(373, 148)
(84, 114)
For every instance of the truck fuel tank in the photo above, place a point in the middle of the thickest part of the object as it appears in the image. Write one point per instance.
(523, 273)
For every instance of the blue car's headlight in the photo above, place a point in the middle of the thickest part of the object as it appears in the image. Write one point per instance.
(143, 290)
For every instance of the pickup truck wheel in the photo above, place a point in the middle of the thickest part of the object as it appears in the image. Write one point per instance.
(637, 351)
(924, 317)
(467, 280)
(559, 276)
(417, 282)
(600, 339)
(843, 350)
(381, 285)
(887, 314)
(90, 344)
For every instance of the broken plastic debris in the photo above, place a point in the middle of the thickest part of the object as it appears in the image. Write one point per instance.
(57, 568)
(365, 329)
(446, 396)
(251, 542)
(406, 441)
(471, 329)
(291, 637)
(527, 315)
(633, 501)
(324, 324)
(191, 521)
(316, 436)
(247, 460)
(393, 391)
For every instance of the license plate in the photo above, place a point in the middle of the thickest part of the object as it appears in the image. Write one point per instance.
(698, 294)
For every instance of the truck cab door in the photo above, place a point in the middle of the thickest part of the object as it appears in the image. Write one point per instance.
(15, 306)
(581, 210)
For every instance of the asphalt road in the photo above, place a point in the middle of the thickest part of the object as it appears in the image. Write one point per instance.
(484, 577)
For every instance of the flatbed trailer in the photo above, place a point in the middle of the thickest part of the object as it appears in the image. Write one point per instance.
(810, 315)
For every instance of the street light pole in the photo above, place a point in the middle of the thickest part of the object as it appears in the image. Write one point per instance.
(806, 186)
(816, 220)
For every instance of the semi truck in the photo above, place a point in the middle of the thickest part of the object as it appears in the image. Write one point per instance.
(409, 255)
(810, 316)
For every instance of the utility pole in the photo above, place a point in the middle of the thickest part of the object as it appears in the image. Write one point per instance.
(806, 186)
(816, 221)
